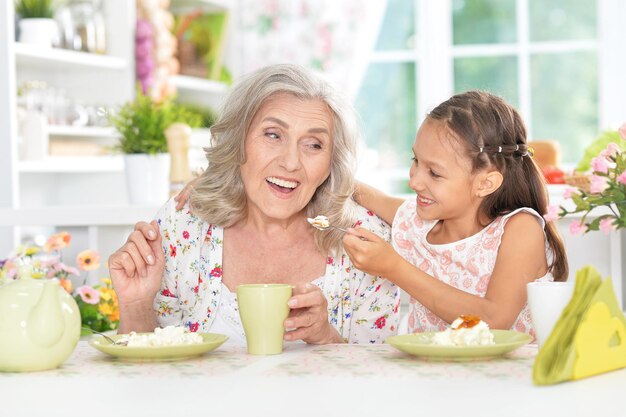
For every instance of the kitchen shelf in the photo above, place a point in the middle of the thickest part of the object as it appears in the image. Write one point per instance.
(35, 55)
(73, 164)
(183, 6)
(196, 84)
(78, 215)
(83, 132)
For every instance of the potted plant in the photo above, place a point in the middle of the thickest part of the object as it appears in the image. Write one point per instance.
(36, 23)
(603, 192)
(141, 124)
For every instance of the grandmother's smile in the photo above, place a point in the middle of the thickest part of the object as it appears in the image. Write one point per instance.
(282, 185)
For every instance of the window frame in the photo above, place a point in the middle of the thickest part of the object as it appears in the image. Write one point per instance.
(433, 55)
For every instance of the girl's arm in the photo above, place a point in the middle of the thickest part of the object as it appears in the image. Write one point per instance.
(521, 259)
(375, 200)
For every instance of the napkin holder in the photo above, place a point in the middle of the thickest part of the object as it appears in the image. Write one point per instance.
(590, 336)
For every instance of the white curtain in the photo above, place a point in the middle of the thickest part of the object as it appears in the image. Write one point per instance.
(333, 36)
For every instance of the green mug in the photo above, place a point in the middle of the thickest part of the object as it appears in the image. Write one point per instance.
(263, 309)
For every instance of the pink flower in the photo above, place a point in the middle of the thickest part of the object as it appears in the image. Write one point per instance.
(598, 184)
(59, 269)
(568, 192)
(88, 294)
(600, 164)
(606, 225)
(612, 149)
(622, 178)
(552, 214)
(576, 228)
(622, 131)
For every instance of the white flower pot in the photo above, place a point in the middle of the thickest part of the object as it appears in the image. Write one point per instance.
(44, 32)
(147, 178)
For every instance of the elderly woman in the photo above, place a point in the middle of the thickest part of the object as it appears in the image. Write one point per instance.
(282, 150)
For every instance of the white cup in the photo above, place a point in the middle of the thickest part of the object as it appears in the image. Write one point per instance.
(546, 301)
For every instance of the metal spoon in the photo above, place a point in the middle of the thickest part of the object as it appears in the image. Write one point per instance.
(322, 223)
(113, 342)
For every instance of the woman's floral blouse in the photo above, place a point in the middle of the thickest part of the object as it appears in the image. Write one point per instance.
(363, 308)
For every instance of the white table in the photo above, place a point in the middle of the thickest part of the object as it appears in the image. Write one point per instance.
(332, 380)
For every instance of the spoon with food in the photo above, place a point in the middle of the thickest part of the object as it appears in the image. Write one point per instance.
(111, 341)
(322, 223)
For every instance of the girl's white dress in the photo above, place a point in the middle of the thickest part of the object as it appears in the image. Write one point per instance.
(466, 264)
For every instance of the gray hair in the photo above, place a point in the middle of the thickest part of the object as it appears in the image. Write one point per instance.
(219, 197)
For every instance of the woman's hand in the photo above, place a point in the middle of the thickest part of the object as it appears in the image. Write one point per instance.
(308, 318)
(183, 196)
(137, 267)
(370, 253)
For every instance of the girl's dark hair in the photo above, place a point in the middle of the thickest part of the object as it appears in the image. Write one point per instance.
(491, 133)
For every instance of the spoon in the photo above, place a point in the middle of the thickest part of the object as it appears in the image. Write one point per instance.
(322, 223)
(113, 342)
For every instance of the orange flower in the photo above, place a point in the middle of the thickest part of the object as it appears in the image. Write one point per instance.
(88, 260)
(66, 284)
(57, 242)
(115, 316)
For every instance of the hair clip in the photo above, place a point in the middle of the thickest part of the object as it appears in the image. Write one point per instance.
(530, 152)
(481, 149)
(499, 149)
(516, 147)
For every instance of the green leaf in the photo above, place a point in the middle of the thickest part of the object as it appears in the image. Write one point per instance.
(595, 224)
(28, 9)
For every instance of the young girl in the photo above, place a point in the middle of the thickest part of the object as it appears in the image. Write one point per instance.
(474, 237)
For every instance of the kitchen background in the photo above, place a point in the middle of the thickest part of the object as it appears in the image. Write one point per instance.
(561, 63)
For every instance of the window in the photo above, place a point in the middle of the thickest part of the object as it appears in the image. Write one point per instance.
(542, 56)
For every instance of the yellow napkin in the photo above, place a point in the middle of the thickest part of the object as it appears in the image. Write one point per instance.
(590, 336)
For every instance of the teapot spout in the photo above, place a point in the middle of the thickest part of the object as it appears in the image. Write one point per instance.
(45, 324)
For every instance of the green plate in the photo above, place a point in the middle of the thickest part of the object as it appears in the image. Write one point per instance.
(158, 353)
(420, 344)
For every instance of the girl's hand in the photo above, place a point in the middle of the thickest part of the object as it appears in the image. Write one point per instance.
(308, 318)
(137, 267)
(183, 196)
(370, 253)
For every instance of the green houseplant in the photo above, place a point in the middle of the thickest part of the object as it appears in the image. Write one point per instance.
(141, 124)
(29, 9)
(36, 24)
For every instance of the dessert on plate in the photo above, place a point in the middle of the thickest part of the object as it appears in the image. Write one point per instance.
(466, 330)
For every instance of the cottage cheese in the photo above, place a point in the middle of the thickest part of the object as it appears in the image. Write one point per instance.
(167, 336)
(319, 222)
(465, 331)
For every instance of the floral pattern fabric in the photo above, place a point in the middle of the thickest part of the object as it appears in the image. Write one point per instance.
(466, 264)
(363, 308)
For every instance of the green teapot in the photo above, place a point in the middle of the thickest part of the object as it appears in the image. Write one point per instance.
(39, 325)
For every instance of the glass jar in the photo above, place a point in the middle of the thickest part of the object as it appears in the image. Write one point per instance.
(84, 25)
